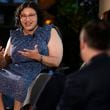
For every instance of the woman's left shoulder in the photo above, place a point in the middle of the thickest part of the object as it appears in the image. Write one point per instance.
(46, 28)
(49, 26)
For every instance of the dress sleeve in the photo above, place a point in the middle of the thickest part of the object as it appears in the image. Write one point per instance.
(47, 29)
(14, 34)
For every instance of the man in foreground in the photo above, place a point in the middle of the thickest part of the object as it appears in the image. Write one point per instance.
(89, 87)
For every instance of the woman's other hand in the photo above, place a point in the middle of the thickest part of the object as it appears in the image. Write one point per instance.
(33, 54)
(1, 52)
(1, 56)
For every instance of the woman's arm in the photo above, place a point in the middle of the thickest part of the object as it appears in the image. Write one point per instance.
(55, 47)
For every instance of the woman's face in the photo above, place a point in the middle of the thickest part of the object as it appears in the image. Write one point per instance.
(28, 19)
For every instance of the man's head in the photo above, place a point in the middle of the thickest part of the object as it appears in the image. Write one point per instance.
(94, 38)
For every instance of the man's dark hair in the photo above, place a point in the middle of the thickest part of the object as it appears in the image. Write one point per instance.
(98, 34)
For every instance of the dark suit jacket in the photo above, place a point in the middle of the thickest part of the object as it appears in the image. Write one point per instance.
(88, 88)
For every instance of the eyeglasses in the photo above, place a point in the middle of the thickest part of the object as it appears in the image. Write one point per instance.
(30, 16)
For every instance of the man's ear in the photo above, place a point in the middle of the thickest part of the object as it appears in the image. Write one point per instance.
(82, 44)
(82, 40)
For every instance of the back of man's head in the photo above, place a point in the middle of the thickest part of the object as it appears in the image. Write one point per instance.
(97, 34)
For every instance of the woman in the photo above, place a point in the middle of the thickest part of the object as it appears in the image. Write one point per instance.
(30, 49)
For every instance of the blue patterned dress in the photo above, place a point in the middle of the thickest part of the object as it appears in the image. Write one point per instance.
(16, 78)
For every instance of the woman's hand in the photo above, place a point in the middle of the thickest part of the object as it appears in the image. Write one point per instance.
(33, 54)
(1, 52)
(1, 57)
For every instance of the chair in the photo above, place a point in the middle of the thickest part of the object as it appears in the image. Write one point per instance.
(37, 87)
(45, 92)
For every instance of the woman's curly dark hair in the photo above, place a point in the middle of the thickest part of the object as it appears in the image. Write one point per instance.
(30, 4)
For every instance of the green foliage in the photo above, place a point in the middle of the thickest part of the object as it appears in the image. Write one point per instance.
(67, 7)
(75, 15)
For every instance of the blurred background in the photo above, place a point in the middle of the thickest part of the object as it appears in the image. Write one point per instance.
(68, 15)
